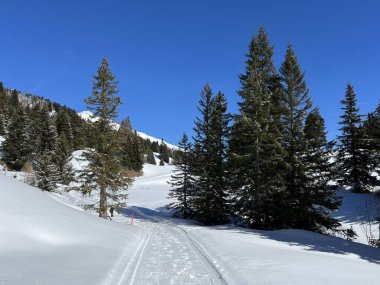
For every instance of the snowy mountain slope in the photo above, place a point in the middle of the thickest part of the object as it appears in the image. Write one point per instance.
(46, 242)
(88, 115)
(54, 242)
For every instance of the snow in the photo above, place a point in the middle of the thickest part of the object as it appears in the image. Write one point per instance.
(43, 241)
(89, 116)
(48, 239)
(239, 255)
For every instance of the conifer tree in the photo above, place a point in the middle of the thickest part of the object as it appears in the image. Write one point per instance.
(353, 148)
(372, 129)
(16, 147)
(182, 183)
(64, 127)
(47, 172)
(296, 103)
(256, 150)
(319, 169)
(131, 150)
(48, 137)
(209, 202)
(164, 151)
(105, 172)
(150, 157)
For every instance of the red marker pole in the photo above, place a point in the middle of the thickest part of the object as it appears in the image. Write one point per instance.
(132, 219)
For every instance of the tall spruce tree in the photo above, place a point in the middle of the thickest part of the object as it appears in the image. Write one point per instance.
(319, 169)
(182, 183)
(105, 172)
(17, 147)
(256, 150)
(353, 149)
(296, 102)
(372, 129)
(209, 191)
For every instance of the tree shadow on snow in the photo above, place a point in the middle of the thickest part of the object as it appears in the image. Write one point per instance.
(311, 241)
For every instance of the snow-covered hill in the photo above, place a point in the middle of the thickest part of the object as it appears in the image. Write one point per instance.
(88, 115)
(43, 241)
(47, 239)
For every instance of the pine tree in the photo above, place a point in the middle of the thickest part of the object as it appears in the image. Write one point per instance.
(319, 169)
(296, 102)
(182, 183)
(164, 151)
(48, 137)
(372, 129)
(131, 150)
(353, 149)
(255, 150)
(150, 157)
(64, 127)
(16, 147)
(210, 141)
(47, 173)
(105, 172)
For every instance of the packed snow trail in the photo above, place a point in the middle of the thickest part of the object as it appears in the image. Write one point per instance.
(168, 256)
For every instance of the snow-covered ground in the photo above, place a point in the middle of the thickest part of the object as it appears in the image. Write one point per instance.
(47, 239)
(46, 242)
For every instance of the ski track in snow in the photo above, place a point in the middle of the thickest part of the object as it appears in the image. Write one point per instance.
(168, 256)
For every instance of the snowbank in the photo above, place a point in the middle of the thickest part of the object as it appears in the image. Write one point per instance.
(45, 242)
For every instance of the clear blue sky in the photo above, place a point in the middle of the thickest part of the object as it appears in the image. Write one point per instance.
(163, 51)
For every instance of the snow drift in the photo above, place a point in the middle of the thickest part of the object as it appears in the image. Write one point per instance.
(43, 241)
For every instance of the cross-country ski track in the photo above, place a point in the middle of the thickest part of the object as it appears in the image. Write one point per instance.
(167, 255)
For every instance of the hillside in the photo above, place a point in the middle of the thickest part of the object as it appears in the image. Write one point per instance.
(45, 238)
(43, 241)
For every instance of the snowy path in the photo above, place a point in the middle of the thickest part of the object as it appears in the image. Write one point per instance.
(168, 256)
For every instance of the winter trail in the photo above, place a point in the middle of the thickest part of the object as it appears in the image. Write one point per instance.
(168, 256)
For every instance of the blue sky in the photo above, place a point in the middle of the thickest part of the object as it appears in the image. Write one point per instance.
(163, 52)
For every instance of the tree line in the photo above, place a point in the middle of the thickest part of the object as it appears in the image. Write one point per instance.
(271, 165)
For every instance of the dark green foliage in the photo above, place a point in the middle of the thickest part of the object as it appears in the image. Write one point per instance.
(209, 161)
(17, 145)
(105, 172)
(64, 127)
(48, 138)
(150, 157)
(164, 152)
(131, 151)
(353, 148)
(372, 130)
(257, 164)
(47, 173)
(182, 183)
(296, 102)
(319, 170)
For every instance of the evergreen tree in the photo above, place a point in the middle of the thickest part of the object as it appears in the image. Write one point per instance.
(150, 157)
(48, 137)
(296, 103)
(66, 172)
(255, 150)
(182, 183)
(16, 147)
(131, 150)
(3, 110)
(319, 169)
(105, 172)
(47, 172)
(64, 127)
(164, 151)
(353, 149)
(372, 129)
(210, 135)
